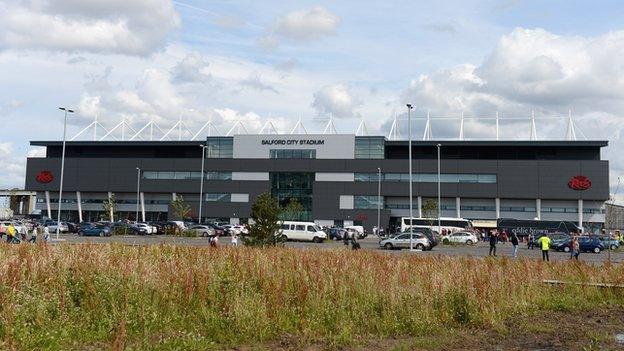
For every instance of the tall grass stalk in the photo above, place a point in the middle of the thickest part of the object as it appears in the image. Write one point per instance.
(177, 297)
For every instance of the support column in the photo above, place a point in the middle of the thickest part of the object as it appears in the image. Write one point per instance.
(538, 208)
(580, 213)
(110, 213)
(173, 196)
(142, 197)
(79, 201)
(21, 206)
(497, 202)
(458, 206)
(420, 207)
(32, 200)
(47, 195)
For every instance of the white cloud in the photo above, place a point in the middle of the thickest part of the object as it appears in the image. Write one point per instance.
(301, 26)
(192, 69)
(13, 166)
(254, 81)
(336, 100)
(137, 27)
(308, 24)
(532, 69)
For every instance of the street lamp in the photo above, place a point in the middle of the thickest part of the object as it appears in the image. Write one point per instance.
(439, 204)
(409, 143)
(378, 198)
(136, 218)
(201, 183)
(58, 221)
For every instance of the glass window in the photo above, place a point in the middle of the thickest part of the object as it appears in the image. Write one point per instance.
(285, 226)
(182, 175)
(486, 178)
(293, 153)
(195, 175)
(363, 202)
(449, 178)
(311, 229)
(150, 175)
(166, 175)
(218, 175)
(219, 147)
(467, 178)
(369, 147)
(300, 227)
(218, 197)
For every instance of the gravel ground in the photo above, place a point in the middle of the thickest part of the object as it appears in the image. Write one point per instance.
(369, 243)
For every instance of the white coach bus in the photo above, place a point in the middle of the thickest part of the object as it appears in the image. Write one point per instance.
(448, 224)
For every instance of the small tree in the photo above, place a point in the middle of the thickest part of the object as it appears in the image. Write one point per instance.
(265, 231)
(430, 211)
(110, 207)
(292, 211)
(180, 208)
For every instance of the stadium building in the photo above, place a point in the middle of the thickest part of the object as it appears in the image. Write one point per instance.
(334, 177)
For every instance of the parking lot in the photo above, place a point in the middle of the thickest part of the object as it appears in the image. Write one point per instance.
(369, 243)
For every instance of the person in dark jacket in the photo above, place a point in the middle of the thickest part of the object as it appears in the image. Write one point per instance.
(514, 242)
(493, 242)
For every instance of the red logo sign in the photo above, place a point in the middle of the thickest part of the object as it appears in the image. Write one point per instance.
(579, 182)
(44, 177)
(361, 217)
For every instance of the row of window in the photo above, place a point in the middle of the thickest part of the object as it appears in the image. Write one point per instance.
(220, 147)
(293, 153)
(186, 175)
(427, 177)
(100, 201)
(369, 147)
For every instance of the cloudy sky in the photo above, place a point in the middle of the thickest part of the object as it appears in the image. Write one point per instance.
(253, 61)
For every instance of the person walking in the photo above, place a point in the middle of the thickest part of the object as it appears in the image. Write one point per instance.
(10, 233)
(33, 235)
(46, 233)
(493, 241)
(575, 248)
(544, 243)
(530, 239)
(514, 243)
(234, 240)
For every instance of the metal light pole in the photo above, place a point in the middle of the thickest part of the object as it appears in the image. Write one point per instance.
(201, 183)
(409, 143)
(439, 204)
(58, 221)
(378, 198)
(136, 218)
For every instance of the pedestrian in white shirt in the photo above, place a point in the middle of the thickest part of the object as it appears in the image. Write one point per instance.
(234, 240)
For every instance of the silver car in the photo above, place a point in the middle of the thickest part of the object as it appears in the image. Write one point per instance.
(402, 241)
(203, 230)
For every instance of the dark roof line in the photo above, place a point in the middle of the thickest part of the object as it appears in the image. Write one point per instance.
(595, 143)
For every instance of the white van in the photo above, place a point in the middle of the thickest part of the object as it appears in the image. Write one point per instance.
(303, 231)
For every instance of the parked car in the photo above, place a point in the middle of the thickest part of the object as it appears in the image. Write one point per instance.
(146, 227)
(610, 242)
(127, 229)
(302, 231)
(462, 237)
(72, 227)
(95, 231)
(358, 230)
(5, 224)
(336, 233)
(202, 230)
(558, 241)
(63, 228)
(590, 244)
(220, 231)
(402, 241)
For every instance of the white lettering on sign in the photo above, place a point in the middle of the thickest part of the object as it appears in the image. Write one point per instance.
(293, 142)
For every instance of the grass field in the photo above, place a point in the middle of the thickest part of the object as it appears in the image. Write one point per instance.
(110, 296)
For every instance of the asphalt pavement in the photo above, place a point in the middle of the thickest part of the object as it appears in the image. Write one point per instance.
(369, 243)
